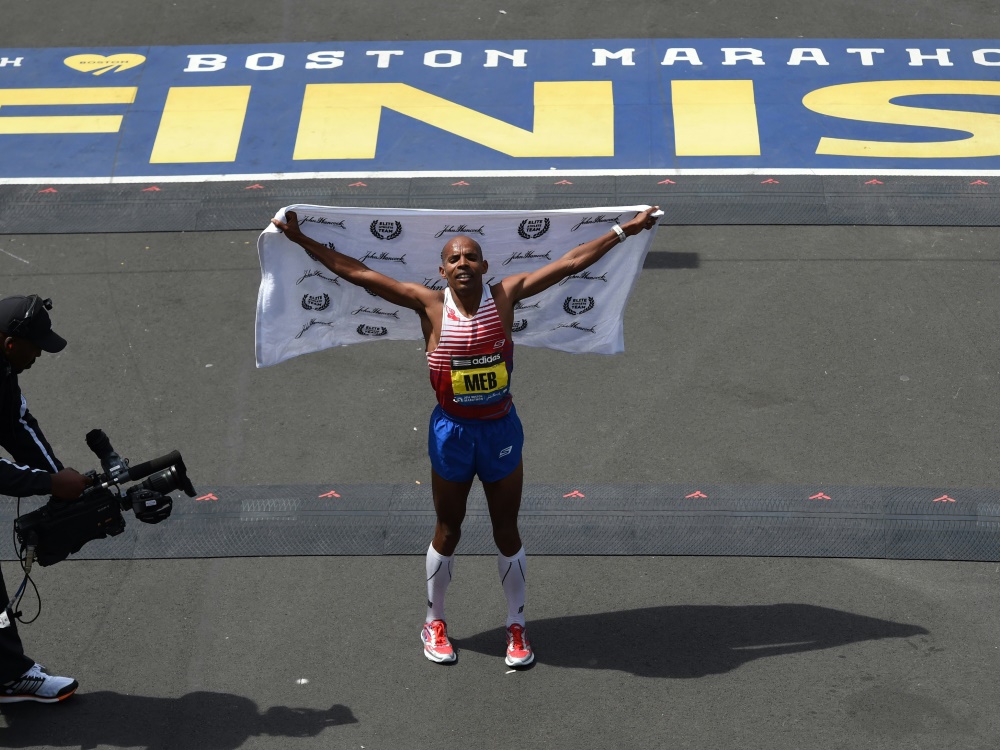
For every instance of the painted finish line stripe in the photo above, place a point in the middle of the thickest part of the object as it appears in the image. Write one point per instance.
(775, 521)
(631, 498)
(704, 513)
(281, 176)
(686, 200)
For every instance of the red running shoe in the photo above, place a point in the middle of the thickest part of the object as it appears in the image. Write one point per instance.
(519, 652)
(437, 647)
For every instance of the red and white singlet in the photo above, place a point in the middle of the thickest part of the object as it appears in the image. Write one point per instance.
(471, 366)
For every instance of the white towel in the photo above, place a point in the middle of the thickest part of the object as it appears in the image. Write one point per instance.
(303, 307)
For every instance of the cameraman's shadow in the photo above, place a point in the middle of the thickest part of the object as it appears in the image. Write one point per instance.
(691, 641)
(196, 721)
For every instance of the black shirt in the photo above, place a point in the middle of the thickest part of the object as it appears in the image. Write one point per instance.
(34, 462)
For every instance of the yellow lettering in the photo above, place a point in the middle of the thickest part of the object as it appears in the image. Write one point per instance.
(201, 124)
(714, 118)
(341, 120)
(48, 124)
(871, 101)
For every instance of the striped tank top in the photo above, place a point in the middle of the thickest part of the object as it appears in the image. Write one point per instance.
(471, 366)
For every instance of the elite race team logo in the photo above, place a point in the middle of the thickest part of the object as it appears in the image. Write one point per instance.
(316, 303)
(386, 230)
(519, 325)
(364, 330)
(578, 305)
(532, 229)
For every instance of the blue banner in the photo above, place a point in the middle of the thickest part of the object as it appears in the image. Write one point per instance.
(613, 106)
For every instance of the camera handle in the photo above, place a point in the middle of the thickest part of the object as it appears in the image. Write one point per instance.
(8, 614)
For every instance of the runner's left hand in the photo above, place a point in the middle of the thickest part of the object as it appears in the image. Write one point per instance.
(641, 221)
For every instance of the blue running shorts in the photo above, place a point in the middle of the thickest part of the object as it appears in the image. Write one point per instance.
(462, 448)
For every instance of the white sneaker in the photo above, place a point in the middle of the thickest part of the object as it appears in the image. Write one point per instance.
(36, 685)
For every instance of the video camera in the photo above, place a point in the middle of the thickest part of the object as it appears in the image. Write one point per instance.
(61, 527)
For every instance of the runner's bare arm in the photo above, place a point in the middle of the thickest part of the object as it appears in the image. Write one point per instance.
(405, 294)
(522, 285)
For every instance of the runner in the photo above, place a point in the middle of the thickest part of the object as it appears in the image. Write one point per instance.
(474, 430)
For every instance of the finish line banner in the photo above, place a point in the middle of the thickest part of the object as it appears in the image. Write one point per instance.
(612, 106)
(303, 307)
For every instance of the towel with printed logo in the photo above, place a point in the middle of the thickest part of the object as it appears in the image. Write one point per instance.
(303, 307)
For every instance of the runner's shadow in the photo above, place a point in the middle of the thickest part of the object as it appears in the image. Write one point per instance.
(691, 641)
(196, 721)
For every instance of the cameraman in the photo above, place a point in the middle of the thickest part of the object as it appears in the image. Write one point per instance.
(25, 332)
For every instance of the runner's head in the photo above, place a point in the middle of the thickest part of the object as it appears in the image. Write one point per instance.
(462, 264)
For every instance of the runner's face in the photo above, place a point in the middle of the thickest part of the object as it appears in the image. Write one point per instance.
(462, 263)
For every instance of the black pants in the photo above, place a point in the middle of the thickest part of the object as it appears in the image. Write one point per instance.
(13, 662)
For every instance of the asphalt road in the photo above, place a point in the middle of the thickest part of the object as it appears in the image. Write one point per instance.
(849, 355)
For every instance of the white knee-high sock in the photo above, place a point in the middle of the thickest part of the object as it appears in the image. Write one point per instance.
(513, 574)
(438, 577)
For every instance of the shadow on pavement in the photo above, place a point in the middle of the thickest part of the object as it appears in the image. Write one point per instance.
(661, 259)
(690, 641)
(196, 721)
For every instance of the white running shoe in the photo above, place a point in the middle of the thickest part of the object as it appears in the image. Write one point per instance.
(36, 685)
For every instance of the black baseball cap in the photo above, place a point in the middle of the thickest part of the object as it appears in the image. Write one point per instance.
(28, 318)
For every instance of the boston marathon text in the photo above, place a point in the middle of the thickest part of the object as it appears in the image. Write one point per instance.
(626, 56)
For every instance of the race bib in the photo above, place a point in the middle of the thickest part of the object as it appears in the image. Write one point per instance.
(480, 379)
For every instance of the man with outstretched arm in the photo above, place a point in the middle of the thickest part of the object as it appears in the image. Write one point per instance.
(474, 430)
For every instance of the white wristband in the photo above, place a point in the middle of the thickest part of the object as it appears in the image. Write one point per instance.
(620, 232)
